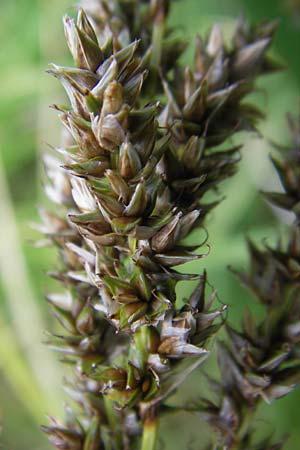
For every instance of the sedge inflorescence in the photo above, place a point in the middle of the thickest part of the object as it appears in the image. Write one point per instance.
(142, 150)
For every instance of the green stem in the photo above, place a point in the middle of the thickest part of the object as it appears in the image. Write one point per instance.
(157, 38)
(244, 427)
(17, 284)
(149, 438)
(18, 374)
(113, 421)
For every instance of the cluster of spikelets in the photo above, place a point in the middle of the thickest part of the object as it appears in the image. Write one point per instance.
(262, 362)
(129, 191)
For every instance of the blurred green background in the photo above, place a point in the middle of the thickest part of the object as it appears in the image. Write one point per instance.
(31, 35)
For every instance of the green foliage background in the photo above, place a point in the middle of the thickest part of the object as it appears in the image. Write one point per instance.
(31, 35)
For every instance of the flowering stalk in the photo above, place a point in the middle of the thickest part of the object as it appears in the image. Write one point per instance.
(262, 362)
(130, 191)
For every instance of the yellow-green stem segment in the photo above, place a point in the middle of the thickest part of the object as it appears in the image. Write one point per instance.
(150, 425)
(113, 421)
(157, 38)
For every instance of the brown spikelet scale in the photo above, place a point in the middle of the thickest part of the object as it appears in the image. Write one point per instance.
(129, 189)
